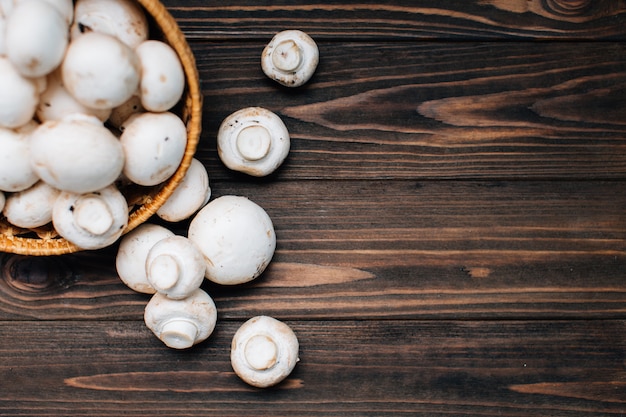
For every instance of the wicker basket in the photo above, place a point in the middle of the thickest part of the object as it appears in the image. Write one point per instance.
(143, 201)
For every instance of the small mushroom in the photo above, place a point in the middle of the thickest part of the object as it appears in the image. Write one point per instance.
(16, 173)
(290, 58)
(154, 145)
(181, 324)
(162, 76)
(253, 140)
(32, 207)
(264, 351)
(130, 261)
(18, 98)
(122, 112)
(100, 71)
(76, 154)
(175, 267)
(123, 19)
(56, 102)
(236, 237)
(36, 37)
(190, 195)
(91, 220)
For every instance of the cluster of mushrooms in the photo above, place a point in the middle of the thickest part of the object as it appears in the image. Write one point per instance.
(86, 107)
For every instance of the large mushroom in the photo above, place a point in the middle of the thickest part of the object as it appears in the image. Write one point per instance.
(236, 237)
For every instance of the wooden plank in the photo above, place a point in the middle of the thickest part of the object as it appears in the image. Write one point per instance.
(433, 110)
(356, 249)
(404, 19)
(373, 368)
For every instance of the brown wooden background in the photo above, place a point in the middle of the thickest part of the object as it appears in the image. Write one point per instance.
(450, 222)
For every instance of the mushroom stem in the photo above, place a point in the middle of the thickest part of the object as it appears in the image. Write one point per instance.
(164, 272)
(179, 333)
(261, 352)
(93, 215)
(253, 142)
(287, 56)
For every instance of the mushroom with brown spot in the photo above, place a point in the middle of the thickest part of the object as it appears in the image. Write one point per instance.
(32, 207)
(162, 76)
(290, 58)
(264, 351)
(253, 140)
(236, 237)
(180, 324)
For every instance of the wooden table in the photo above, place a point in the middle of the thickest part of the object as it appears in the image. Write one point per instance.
(451, 225)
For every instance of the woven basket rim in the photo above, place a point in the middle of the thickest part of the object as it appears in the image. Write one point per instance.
(47, 244)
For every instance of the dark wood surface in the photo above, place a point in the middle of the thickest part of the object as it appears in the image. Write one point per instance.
(451, 225)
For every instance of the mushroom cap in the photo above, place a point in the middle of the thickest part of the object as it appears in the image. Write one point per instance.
(264, 351)
(183, 323)
(16, 173)
(253, 140)
(36, 37)
(91, 220)
(123, 19)
(19, 96)
(236, 237)
(190, 195)
(56, 102)
(175, 267)
(162, 76)
(154, 146)
(76, 154)
(122, 112)
(32, 207)
(290, 58)
(130, 261)
(100, 71)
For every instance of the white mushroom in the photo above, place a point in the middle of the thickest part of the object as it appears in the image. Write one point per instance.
(264, 351)
(76, 154)
(36, 37)
(18, 98)
(56, 102)
(290, 58)
(190, 195)
(122, 112)
(181, 324)
(92, 220)
(32, 207)
(100, 71)
(162, 77)
(154, 145)
(132, 253)
(175, 267)
(123, 19)
(16, 173)
(236, 237)
(253, 140)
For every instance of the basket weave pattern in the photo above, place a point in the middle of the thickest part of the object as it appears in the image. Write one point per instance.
(143, 201)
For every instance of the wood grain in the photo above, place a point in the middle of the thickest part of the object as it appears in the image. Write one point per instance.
(372, 368)
(434, 110)
(356, 249)
(404, 19)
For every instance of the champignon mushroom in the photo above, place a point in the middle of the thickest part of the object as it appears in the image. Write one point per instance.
(16, 173)
(236, 237)
(91, 220)
(56, 102)
(290, 58)
(190, 195)
(175, 267)
(19, 96)
(122, 112)
(132, 253)
(253, 140)
(181, 324)
(76, 154)
(154, 145)
(100, 71)
(264, 351)
(36, 37)
(32, 207)
(123, 19)
(162, 76)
